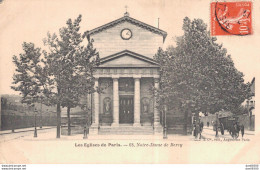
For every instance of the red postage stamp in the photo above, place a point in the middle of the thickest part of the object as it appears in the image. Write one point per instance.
(231, 18)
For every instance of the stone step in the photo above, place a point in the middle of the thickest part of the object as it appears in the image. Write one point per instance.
(126, 130)
(125, 133)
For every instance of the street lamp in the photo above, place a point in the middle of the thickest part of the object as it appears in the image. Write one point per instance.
(41, 114)
(165, 126)
(13, 122)
(86, 127)
(193, 123)
(35, 127)
(216, 124)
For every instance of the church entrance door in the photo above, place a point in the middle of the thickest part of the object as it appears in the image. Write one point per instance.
(126, 109)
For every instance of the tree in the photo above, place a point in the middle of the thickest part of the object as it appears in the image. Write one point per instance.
(29, 79)
(70, 66)
(197, 75)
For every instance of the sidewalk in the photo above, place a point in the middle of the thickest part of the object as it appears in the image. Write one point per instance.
(4, 132)
(51, 135)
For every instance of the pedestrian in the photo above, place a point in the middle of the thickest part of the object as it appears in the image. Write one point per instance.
(201, 126)
(242, 128)
(197, 130)
(216, 127)
(194, 128)
(207, 124)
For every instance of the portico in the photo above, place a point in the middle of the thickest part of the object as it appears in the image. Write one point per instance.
(126, 96)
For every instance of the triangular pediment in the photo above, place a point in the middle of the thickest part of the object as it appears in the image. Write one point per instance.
(132, 21)
(127, 58)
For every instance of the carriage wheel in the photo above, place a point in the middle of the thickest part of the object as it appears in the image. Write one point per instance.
(236, 134)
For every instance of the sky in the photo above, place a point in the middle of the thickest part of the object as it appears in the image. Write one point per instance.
(30, 21)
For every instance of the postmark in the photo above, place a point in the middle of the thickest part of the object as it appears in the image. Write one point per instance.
(231, 18)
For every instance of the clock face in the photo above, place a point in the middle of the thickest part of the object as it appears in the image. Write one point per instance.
(126, 34)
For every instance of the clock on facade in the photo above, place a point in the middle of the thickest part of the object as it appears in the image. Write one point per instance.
(126, 34)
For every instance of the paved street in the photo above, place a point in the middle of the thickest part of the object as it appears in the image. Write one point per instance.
(208, 133)
(24, 148)
(50, 133)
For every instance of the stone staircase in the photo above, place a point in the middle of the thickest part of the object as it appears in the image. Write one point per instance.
(126, 130)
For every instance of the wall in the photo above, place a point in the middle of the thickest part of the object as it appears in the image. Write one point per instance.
(147, 97)
(107, 85)
(245, 120)
(176, 123)
(146, 85)
(16, 115)
(107, 92)
(143, 42)
(10, 121)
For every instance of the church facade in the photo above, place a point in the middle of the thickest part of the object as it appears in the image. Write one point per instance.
(126, 74)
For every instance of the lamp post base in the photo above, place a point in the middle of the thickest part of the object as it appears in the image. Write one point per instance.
(165, 133)
(35, 132)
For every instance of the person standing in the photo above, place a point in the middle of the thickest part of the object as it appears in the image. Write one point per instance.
(242, 128)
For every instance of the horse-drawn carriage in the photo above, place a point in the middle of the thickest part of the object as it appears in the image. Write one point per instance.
(230, 123)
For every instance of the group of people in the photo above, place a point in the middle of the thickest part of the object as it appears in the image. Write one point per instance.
(234, 129)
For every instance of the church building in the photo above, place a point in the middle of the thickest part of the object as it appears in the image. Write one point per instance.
(126, 74)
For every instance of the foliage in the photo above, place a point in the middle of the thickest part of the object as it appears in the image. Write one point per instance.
(29, 78)
(63, 74)
(198, 74)
(241, 110)
(70, 64)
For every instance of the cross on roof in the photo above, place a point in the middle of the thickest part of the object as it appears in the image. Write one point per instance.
(126, 13)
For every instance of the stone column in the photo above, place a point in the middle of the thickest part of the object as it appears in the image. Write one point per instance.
(156, 111)
(115, 102)
(96, 105)
(95, 118)
(137, 108)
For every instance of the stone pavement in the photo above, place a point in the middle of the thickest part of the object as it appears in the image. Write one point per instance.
(49, 133)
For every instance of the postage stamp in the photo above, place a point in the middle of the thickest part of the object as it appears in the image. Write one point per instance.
(231, 18)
